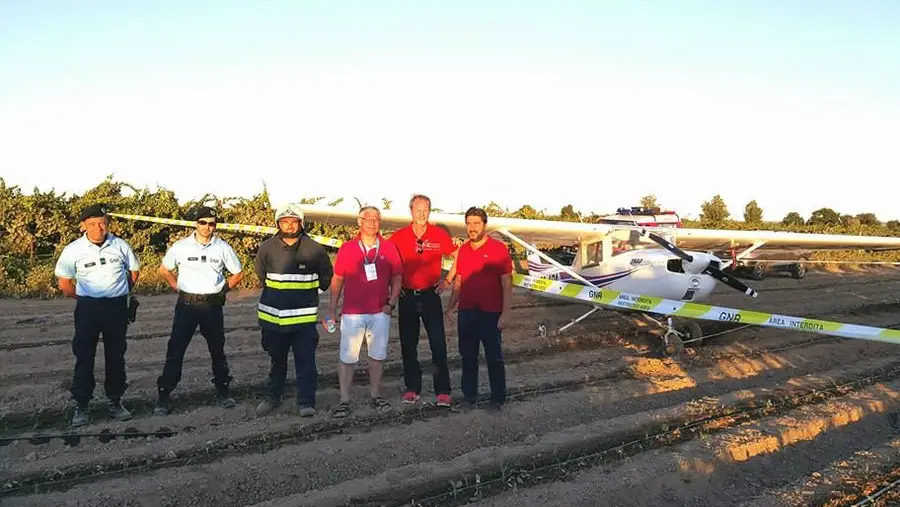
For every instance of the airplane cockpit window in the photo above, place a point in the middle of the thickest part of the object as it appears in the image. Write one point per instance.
(593, 254)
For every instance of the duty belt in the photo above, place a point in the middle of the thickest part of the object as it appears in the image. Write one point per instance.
(215, 299)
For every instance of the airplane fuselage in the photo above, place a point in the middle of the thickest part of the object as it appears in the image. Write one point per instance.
(647, 272)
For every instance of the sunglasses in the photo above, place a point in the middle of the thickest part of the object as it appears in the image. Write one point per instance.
(420, 246)
(206, 222)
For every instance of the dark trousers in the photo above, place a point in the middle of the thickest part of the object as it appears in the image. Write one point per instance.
(108, 316)
(303, 341)
(187, 318)
(476, 328)
(427, 307)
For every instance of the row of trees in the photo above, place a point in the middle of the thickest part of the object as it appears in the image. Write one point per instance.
(34, 228)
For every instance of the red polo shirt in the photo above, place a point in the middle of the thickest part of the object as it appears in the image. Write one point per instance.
(480, 270)
(422, 256)
(362, 296)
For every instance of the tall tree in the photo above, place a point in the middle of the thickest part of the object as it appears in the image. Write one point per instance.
(753, 213)
(714, 211)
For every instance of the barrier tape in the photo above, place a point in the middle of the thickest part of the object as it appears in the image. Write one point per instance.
(661, 306)
(626, 300)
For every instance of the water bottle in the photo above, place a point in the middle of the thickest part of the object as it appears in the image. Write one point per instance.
(329, 325)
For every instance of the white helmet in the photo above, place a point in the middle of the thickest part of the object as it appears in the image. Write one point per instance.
(288, 210)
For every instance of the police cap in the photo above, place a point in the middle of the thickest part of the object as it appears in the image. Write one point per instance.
(93, 211)
(204, 212)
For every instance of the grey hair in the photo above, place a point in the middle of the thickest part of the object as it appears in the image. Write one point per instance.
(367, 208)
(417, 197)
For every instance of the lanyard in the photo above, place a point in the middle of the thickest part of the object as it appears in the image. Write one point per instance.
(366, 255)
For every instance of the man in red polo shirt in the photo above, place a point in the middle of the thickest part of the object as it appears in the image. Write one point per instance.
(422, 246)
(483, 288)
(369, 271)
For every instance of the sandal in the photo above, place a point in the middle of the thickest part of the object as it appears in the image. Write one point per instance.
(341, 411)
(380, 404)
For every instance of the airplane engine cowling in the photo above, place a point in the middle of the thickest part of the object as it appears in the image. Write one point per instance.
(698, 264)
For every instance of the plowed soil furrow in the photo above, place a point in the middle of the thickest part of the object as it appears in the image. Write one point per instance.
(719, 469)
(417, 465)
(565, 400)
(590, 397)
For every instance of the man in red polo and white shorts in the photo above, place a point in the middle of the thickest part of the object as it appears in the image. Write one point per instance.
(369, 271)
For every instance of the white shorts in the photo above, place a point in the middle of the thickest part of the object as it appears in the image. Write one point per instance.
(371, 327)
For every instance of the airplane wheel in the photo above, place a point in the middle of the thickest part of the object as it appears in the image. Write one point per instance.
(674, 344)
(759, 271)
(798, 271)
(692, 329)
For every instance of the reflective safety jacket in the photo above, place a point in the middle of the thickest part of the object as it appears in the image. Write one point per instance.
(291, 276)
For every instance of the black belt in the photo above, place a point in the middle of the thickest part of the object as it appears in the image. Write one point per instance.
(418, 292)
(215, 299)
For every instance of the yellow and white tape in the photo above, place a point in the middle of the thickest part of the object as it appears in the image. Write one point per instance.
(660, 306)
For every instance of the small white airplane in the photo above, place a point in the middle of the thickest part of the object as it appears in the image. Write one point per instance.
(638, 253)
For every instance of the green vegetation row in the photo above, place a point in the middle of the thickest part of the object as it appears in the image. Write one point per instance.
(35, 228)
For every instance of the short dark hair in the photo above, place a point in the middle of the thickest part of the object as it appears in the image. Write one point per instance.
(475, 211)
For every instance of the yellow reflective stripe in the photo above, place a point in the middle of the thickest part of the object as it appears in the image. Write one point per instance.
(286, 321)
(292, 277)
(292, 285)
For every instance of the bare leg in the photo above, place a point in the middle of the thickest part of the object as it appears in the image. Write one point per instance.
(345, 377)
(375, 367)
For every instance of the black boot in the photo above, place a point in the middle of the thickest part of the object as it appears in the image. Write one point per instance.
(118, 411)
(163, 404)
(80, 417)
(223, 398)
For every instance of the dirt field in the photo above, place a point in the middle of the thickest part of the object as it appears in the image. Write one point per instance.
(596, 416)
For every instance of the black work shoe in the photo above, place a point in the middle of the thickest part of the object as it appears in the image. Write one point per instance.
(267, 405)
(223, 399)
(163, 404)
(80, 418)
(117, 411)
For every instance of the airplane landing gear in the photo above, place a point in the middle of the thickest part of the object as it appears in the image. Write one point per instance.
(680, 332)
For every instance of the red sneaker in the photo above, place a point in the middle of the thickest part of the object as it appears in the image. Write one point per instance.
(444, 400)
(410, 397)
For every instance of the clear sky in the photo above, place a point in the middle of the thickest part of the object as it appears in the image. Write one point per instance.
(601, 101)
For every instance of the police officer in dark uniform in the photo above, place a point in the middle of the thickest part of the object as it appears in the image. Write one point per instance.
(201, 260)
(99, 270)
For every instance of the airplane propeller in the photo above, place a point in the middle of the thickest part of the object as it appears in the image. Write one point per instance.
(700, 263)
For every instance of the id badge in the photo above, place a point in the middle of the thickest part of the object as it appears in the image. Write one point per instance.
(371, 274)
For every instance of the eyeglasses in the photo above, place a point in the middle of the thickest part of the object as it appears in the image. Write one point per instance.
(420, 246)
(206, 222)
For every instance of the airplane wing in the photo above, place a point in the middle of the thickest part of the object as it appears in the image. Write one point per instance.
(718, 239)
(534, 231)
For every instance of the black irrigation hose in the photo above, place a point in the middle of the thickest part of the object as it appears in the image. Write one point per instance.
(105, 436)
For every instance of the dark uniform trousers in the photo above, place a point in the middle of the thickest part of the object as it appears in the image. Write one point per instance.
(188, 316)
(94, 316)
(477, 327)
(424, 305)
(303, 340)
